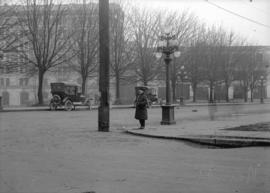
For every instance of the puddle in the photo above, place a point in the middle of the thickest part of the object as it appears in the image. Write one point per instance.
(261, 127)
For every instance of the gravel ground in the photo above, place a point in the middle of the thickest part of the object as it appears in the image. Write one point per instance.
(62, 152)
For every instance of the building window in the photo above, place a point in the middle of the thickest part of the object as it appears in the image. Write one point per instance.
(7, 82)
(23, 81)
(24, 98)
(2, 82)
(5, 98)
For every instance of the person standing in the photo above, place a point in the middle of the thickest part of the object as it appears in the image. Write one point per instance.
(141, 108)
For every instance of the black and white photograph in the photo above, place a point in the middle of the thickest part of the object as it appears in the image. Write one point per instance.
(134, 96)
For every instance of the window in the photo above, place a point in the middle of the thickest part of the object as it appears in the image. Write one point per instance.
(23, 81)
(7, 82)
(24, 98)
(5, 99)
(2, 82)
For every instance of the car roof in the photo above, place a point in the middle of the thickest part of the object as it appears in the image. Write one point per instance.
(67, 83)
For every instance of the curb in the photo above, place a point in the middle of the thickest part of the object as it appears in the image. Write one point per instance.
(218, 141)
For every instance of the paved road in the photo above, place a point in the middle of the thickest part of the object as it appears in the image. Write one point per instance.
(62, 152)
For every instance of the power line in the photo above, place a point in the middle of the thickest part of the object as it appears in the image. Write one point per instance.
(236, 14)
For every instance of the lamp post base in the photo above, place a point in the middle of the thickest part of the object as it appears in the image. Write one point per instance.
(167, 115)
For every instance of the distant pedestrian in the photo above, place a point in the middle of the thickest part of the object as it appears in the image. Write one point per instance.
(141, 104)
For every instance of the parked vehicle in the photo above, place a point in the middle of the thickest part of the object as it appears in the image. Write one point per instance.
(150, 92)
(68, 96)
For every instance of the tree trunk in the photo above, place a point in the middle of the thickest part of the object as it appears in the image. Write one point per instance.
(227, 93)
(194, 89)
(211, 98)
(117, 89)
(84, 80)
(251, 94)
(40, 87)
(246, 94)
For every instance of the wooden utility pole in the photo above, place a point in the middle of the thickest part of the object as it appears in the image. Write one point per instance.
(104, 69)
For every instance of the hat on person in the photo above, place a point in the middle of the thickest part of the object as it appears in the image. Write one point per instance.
(140, 91)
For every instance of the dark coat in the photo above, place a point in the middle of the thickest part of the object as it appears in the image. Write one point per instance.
(141, 107)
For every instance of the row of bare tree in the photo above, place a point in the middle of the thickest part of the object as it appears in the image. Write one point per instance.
(45, 35)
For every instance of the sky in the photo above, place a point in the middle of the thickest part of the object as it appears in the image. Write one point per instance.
(250, 20)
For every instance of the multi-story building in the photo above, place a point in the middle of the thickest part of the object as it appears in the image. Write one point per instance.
(18, 87)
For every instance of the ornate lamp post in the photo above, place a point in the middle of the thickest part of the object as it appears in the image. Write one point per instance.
(1, 58)
(167, 46)
(261, 81)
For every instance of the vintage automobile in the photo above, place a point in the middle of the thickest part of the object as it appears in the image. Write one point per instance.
(68, 96)
(149, 92)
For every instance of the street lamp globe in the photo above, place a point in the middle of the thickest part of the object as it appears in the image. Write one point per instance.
(158, 55)
(177, 54)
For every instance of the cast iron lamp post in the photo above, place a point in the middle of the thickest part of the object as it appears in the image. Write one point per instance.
(1, 58)
(167, 46)
(261, 81)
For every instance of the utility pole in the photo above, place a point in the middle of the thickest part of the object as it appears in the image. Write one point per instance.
(104, 69)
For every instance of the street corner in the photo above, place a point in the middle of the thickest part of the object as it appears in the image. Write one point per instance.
(221, 141)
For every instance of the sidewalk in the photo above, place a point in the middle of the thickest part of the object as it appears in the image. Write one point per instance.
(213, 132)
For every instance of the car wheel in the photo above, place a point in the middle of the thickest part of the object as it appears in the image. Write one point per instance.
(56, 99)
(68, 105)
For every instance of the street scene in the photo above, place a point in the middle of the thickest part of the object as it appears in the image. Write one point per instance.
(134, 96)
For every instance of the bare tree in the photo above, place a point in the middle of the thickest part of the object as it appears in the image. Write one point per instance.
(145, 30)
(229, 59)
(9, 37)
(85, 41)
(122, 53)
(214, 48)
(43, 24)
(249, 69)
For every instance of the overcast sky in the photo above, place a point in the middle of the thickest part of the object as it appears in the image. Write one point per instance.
(251, 19)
